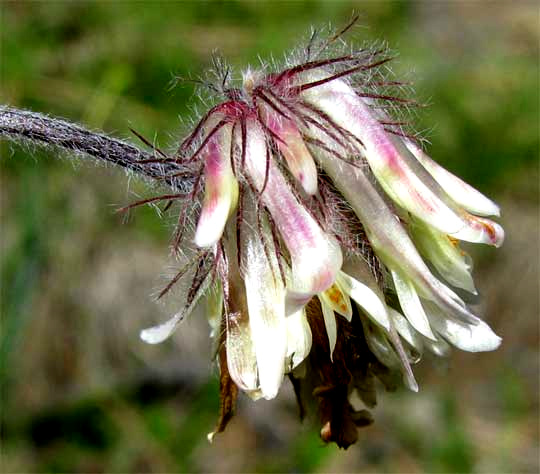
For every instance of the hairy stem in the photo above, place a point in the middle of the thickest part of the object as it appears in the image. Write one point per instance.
(22, 125)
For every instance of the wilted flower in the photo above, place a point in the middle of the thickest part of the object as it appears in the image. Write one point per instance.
(329, 241)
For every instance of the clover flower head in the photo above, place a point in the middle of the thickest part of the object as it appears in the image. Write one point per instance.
(326, 240)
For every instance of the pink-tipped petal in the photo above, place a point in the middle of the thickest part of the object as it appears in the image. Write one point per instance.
(220, 189)
(315, 256)
(386, 158)
(480, 230)
(387, 235)
(294, 150)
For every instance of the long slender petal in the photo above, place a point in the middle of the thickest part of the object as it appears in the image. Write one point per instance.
(265, 293)
(461, 192)
(367, 299)
(411, 305)
(299, 339)
(331, 326)
(379, 345)
(480, 230)
(406, 330)
(439, 347)
(220, 189)
(292, 147)
(214, 309)
(410, 381)
(161, 332)
(467, 337)
(241, 358)
(340, 102)
(315, 256)
(399, 173)
(387, 236)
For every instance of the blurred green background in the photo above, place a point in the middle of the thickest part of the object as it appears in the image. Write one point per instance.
(81, 393)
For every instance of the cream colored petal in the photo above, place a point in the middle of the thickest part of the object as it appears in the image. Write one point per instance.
(467, 337)
(214, 308)
(265, 293)
(241, 358)
(315, 256)
(366, 299)
(220, 190)
(439, 347)
(387, 235)
(163, 331)
(379, 345)
(397, 170)
(299, 339)
(386, 155)
(480, 230)
(331, 326)
(411, 305)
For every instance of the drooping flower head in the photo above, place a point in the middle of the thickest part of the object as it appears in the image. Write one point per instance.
(328, 241)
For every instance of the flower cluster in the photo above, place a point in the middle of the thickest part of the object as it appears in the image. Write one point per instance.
(328, 240)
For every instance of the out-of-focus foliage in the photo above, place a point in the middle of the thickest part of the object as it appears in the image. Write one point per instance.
(81, 393)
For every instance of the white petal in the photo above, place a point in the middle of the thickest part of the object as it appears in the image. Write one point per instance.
(214, 308)
(367, 299)
(241, 359)
(480, 230)
(461, 192)
(467, 337)
(387, 156)
(387, 235)
(315, 256)
(411, 305)
(159, 333)
(331, 326)
(220, 190)
(298, 338)
(266, 306)
(397, 170)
